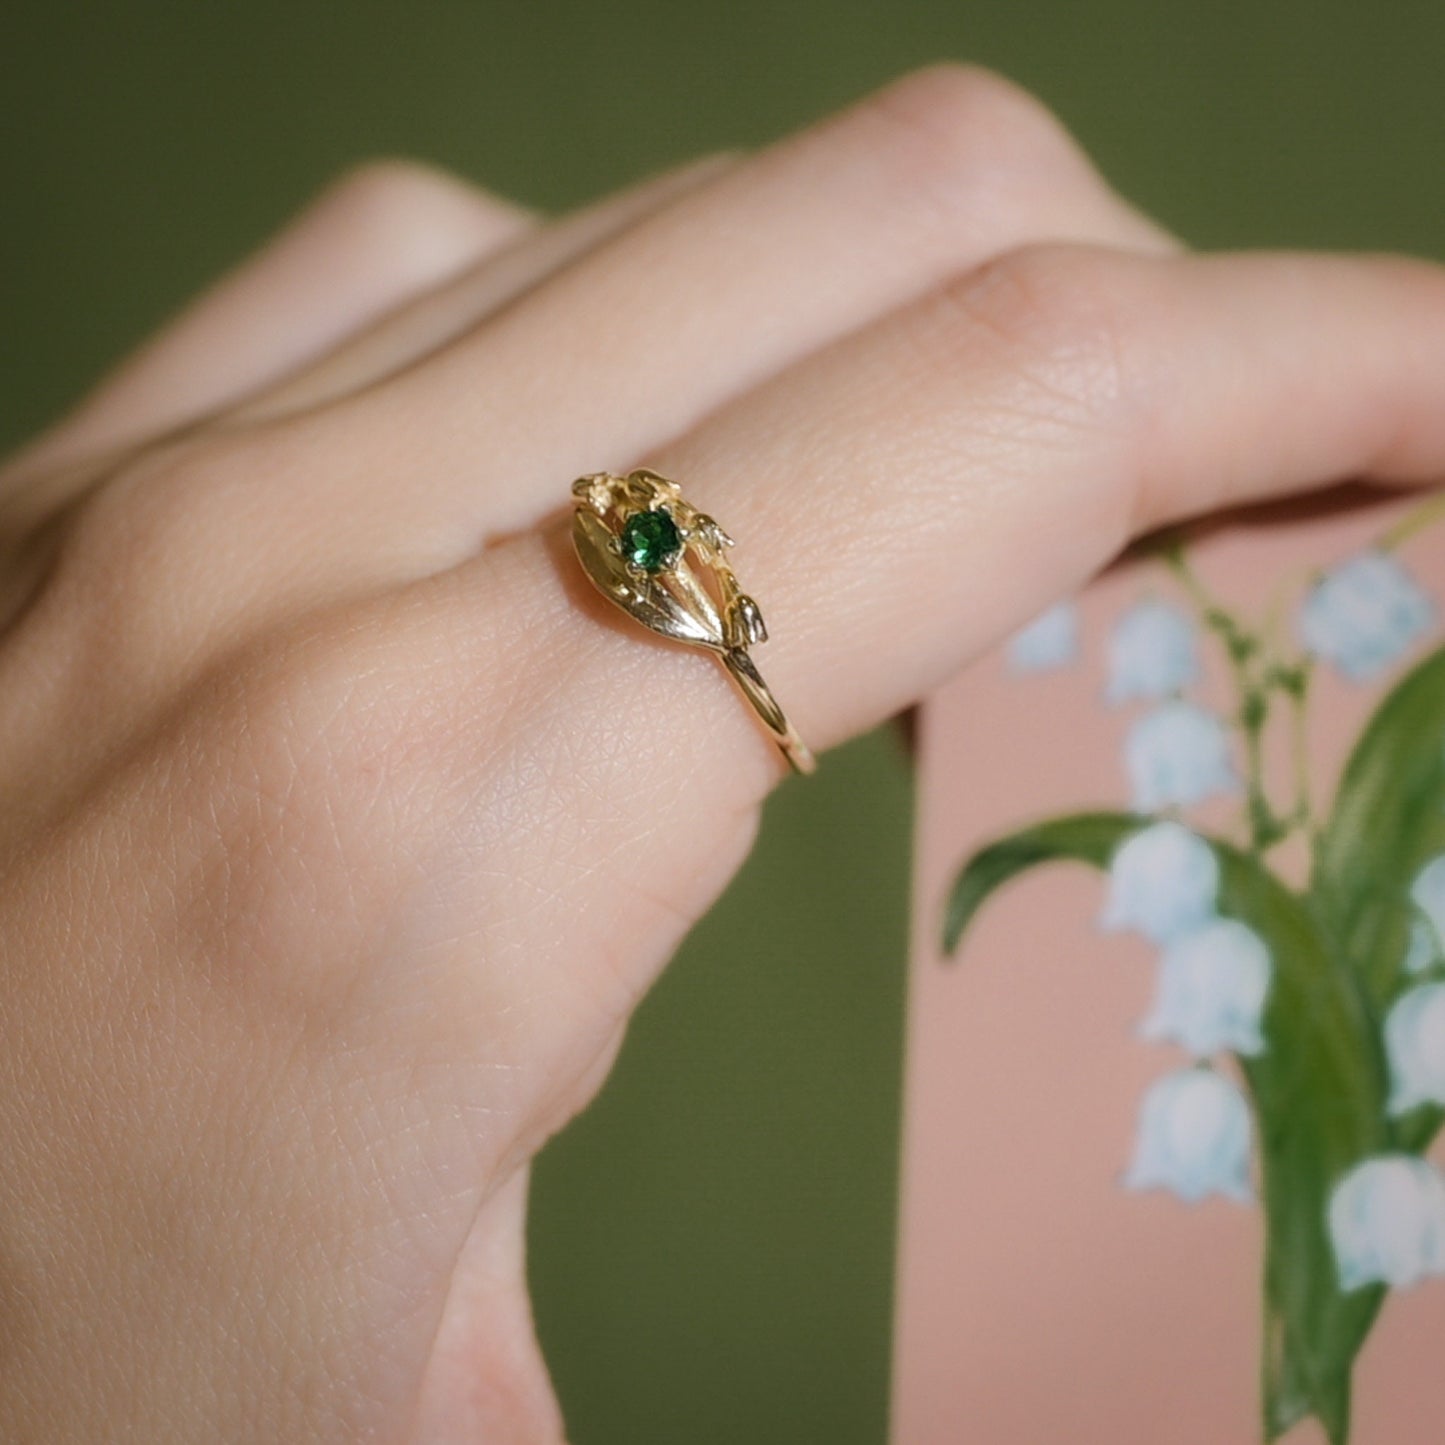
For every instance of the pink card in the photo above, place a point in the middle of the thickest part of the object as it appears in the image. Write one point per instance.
(1172, 1164)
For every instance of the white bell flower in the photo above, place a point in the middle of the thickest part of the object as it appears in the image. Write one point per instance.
(1415, 1044)
(1193, 1138)
(1365, 614)
(1051, 640)
(1427, 932)
(1387, 1222)
(1422, 952)
(1152, 653)
(1213, 982)
(1178, 754)
(1163, 881)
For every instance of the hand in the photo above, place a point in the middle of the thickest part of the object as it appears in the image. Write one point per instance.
(345, 823)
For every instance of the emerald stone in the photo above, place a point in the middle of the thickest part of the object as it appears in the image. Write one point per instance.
(650, 540)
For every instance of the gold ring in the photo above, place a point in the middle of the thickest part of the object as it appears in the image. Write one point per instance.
(634, 536)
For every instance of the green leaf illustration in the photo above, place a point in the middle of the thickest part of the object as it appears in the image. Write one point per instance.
(1388, 820)
(1318, 1090)
(1083, 837)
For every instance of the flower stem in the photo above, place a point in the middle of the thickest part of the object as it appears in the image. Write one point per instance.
(1253, 686)
(1299, 700)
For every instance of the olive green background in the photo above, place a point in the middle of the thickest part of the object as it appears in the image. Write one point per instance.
(713, 1240)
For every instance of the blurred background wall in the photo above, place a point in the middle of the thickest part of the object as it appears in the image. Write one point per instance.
(712, 1241)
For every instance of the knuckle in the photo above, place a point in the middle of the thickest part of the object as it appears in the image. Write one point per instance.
(965, 132)
(147, 574)
(385, 183)
(949, 97)
(112, 538)
(156, 527)
(1065, 324)
(404, 201)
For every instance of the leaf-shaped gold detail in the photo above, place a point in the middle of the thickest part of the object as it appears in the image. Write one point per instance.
(671, 603)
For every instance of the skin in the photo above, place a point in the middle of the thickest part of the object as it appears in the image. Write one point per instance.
(345, 824)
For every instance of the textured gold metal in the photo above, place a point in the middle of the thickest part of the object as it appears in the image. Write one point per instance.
(673, 600)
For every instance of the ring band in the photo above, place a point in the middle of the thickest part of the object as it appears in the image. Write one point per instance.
(634, 536)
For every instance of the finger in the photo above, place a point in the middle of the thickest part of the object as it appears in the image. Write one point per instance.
(900, 500)
(808, 239)
(447, 311)
(373, 239)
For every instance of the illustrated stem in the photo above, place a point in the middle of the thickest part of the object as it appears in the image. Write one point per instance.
(1253, 707)
(1265, 828)
(1299, 746)
(1178, 563)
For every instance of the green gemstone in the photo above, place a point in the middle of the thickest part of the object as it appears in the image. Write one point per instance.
(650, 540)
